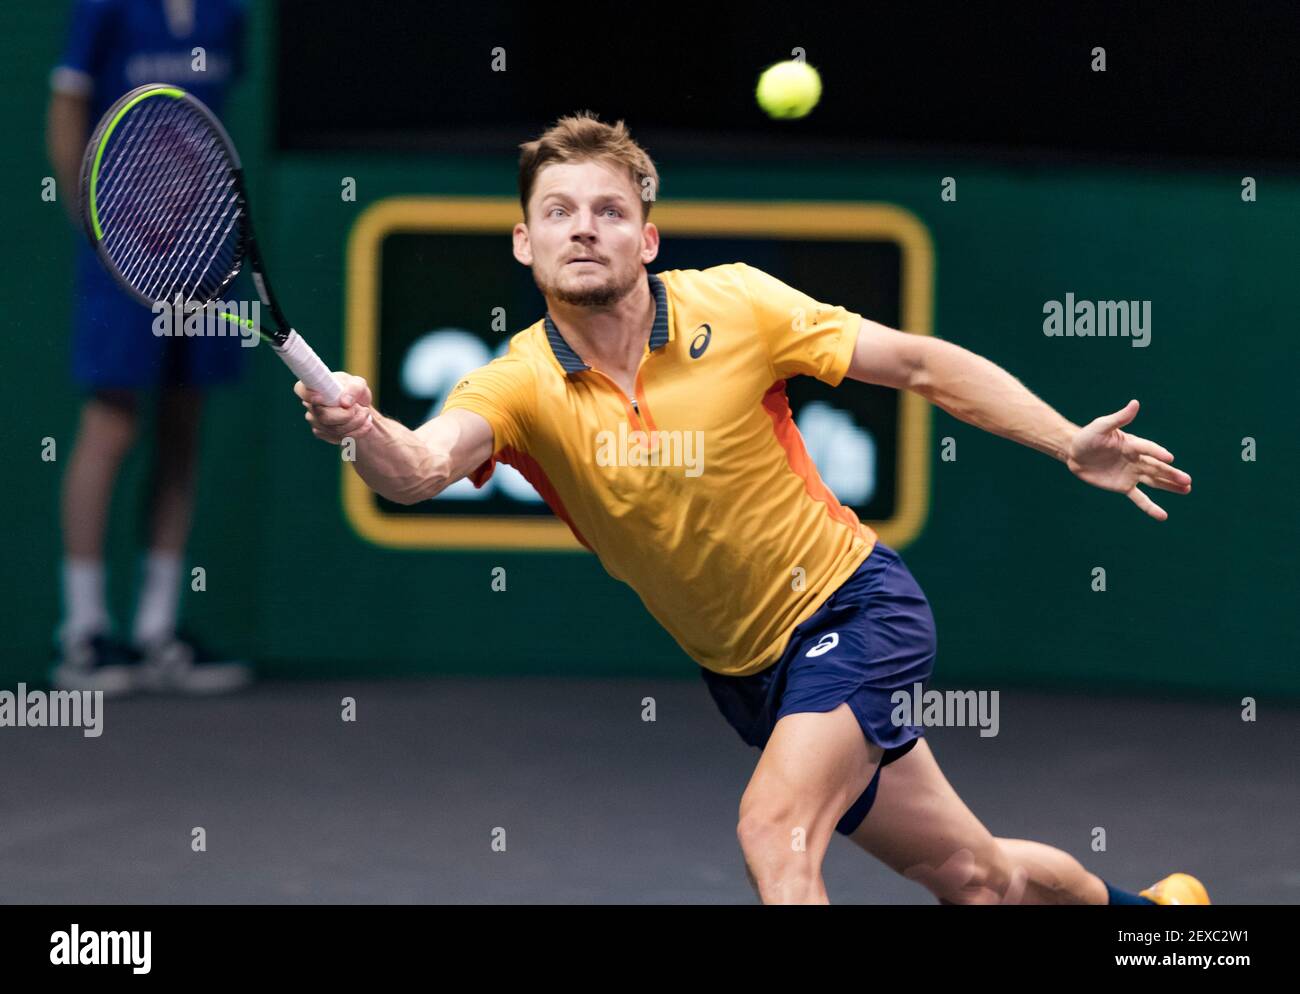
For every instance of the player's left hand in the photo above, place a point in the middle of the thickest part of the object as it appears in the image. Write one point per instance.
(1111, 459)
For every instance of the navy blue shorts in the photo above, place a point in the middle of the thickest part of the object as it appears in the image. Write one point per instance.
(114, 346)
(874, 636)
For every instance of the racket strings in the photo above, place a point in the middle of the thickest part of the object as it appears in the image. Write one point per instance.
(180, 213)
(168, 203)
(148, 179)
(151, 181)
(125, 158)
(130, 192)
(200, 276)
(126, 161)
(193, 247)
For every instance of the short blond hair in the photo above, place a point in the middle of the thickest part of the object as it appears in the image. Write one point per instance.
(584, 137)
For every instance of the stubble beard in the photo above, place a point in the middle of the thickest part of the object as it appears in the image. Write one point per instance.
(604, 294)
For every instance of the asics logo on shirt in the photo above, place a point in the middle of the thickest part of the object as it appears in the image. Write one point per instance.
(701, 341)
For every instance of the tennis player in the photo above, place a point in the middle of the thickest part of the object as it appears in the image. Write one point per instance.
(113, 46)
(716, 534)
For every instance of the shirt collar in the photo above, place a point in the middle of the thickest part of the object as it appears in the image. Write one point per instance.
(659, 335)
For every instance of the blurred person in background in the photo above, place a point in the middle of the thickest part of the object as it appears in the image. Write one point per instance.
(118, 361)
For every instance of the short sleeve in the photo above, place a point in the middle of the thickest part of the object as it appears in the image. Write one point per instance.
(803, 336)
(503, 393)
(90, 34)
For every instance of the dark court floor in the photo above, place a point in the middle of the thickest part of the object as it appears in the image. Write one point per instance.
(597, 806)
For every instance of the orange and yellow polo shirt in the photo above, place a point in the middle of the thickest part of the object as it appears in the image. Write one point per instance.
(699, 494)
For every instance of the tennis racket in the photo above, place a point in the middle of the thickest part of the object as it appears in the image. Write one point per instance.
(163, 203)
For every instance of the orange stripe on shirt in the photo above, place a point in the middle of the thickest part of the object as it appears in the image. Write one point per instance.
(777, 406)
(534, 474)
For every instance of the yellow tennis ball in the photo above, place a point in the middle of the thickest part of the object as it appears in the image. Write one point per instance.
(788, 89)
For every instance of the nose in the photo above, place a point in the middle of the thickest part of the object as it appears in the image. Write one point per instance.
(584, 225)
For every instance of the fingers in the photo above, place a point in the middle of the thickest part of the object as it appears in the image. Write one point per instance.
(355, 387)
(313, 398)
(354, 390)
(350, 416)
(337, 419)
(1149, 448)
(334, 424)
(1147, 504)
(1108, 422)
(1158, 474)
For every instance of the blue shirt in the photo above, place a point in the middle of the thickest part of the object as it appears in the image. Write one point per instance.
(116, 45)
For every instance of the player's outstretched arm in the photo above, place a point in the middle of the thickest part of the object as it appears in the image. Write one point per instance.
(397, 463)
(982, 393)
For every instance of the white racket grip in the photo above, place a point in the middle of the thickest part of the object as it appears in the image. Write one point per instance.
(307, 366)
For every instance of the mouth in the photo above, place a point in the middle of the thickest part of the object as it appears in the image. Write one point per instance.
(581, 259)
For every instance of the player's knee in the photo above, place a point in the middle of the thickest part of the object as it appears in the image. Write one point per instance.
(755, 830)
(109, 426)
(777, 861)
(768, 835)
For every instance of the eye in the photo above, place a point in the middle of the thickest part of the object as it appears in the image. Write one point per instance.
(616, 211)
(553, 210)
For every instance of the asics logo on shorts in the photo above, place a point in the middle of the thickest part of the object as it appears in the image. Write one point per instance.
(824, 644)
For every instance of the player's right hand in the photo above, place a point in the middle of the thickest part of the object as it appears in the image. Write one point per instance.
(350, 417)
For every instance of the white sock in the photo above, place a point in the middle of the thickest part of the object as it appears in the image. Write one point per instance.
(85, 609)
(155, 616)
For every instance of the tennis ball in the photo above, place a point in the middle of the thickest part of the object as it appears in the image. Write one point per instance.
(788, 89)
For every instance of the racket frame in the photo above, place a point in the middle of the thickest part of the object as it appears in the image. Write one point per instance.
(283, 339)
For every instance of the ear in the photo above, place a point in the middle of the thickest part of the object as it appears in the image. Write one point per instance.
(649, 243)
(522, 247)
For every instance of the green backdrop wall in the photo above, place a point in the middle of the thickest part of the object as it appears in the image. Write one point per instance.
(1204, 602)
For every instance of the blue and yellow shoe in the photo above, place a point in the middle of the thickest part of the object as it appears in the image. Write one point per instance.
(1177, 888)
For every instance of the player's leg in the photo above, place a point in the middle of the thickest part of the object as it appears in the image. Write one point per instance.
(919, 827)
(171, 510)
(812, 769)
(824, 716)
(88, 658)
(180, 410)
(1053, 871)
(114, 357)
(106, 431)
(173, 660)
